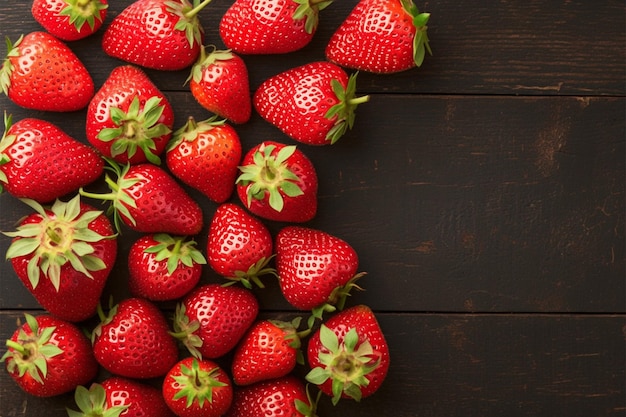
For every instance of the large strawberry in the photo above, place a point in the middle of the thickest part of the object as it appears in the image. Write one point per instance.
(147, 199)
(270, 26)
(278, 182)
(197, 388)
(40, 161)
(348, 355)
(129, 119)
(381, 36)
(163, 267)
(40, 72)
(157, 34)
(133, 340)
(219, 82)
(64, 254)
(70, 20)
(48, 356)
(240, 246)
(212, 319)
(206, 155)
(313, 103)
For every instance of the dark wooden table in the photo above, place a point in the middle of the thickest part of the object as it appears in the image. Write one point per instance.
(484, 193)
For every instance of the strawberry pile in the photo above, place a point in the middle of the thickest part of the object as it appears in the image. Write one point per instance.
(211, 354)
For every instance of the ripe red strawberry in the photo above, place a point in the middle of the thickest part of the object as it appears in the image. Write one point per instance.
(281, 397)
(147, 199)
(63, 255)
(133, 340)
(205, 155)
(70, 20)
(40, 161)
(219, 82)
(270, 349)
(278, 182)
(381, 36)
(313, 103)
(163, 267)
(348, 355)
(116, 396)
(270, 26)
(240, 246)
(197, 388)
(129, 119)
(47, 356)
(157, 34)
(40, 72)
(212, 319)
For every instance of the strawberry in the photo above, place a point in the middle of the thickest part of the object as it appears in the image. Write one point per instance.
(270, 349)
(129, 119)
(117, 396)
(348, 355)
(313, 103)
(240, 246)
(219, 82)
(48, 356)
(133, 340)
(40, 161)
(147, 199)
(212, 319)
(197, 388)
(205, 155)
(66, 19)
(278, 182)
(381, 36)
(63, 254)
(40, 72)
(281, 397)
(163, 267)
(158, 34)
(270, 26)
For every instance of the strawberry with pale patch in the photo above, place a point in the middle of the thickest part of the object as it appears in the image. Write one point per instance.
(70, 20)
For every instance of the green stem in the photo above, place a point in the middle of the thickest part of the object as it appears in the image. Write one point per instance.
(358, 100)
(16, 346)
(193, 12)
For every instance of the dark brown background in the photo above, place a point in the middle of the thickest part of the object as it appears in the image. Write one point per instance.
(484, 193)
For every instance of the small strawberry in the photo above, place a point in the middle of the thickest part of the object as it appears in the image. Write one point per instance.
(129, 119)
(70, 20)
(197, 388)
(206, 155)
(163, 267)
(270, 349)
(40, 161)
(147, 199)
(381, 36)
(63, 255)
(313, 103)
(270, 26)
(133, 340)
(40, 72)
(219, 82)
(240, 246)
(212, 319)
(278, 182)
(158, 34)
(348, 355)
(47, 356)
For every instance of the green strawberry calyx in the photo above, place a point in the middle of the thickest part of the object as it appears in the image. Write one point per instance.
(185, 329)
(196, 385)
(175, 250)
(336, 299)
(135, 129)
(205, 60)
(346, 364)
(292, 335)
(253, 274)
(83, 11)
(420, 40)
(92, 403)
(188, 21)
(7, 66)
(270, 175)
(192, 130)
(308, 408)
(343, 111)
(309, 9)
(62, 236)
(5, 142)
(29, 354)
